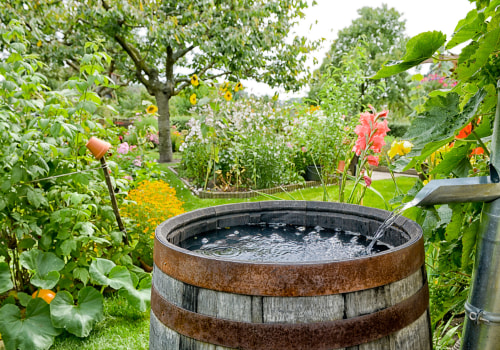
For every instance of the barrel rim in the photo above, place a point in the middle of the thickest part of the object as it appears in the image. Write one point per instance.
(285, 278)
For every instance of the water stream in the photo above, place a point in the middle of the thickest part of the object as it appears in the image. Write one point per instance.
(393, 216)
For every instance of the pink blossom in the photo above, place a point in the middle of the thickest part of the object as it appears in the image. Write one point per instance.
(123, 148)
(303, 149)
(372, 160)
(368, 180)
(133, 147)
(371, 132)
(137, 162)
(289, 145)
(128, 177)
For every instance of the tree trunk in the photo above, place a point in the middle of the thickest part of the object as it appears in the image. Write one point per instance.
(165, 146)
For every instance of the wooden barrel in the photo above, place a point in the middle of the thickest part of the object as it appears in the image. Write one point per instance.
(374, 302)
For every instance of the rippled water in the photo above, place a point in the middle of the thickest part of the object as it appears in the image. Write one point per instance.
(281, 243)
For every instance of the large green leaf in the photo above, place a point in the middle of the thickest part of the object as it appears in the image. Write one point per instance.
(139, 298)
(467, 28)
(45, 265)
(418, 49)
(439, 123)
(34, 331)
(106, 273)
(490, 43)
(451, 162)
(5, 278)
(77, 319)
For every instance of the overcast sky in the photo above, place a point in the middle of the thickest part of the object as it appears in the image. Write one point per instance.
(330, 16)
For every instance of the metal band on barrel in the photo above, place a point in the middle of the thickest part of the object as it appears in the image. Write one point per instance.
(308, 279)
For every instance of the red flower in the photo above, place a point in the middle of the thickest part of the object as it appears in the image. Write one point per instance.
(465, 131)
(372, 160)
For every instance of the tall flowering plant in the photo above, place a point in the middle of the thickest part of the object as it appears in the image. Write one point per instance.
(370, 131)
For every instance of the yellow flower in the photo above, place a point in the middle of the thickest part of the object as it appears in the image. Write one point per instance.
(238, 87)
(152, 109)
(224, 86)
(192, 99)
(399, 148)
(228, 95)
(195, 81)
(39, 43)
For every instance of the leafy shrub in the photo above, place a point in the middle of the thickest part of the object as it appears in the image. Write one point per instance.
(57, 231)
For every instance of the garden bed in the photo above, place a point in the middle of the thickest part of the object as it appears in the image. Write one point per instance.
(213, 194)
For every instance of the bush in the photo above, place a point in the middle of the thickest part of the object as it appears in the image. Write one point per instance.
(180, 122)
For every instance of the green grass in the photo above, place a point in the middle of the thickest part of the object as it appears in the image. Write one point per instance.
(126, 328)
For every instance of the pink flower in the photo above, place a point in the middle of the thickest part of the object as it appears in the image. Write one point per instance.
(137, 162)
(303, 149)
(128, 177)
(372, 160)
(289, 145)
(133, 147)
(368, 180)
(123, 148)
(371, 132)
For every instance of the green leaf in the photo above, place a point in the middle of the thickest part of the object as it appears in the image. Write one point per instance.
(34, 331)
(36, 197)
(139, 298)
(82, 274)
(418, 49)
(451, 159)
(452, 231)
(467, 28)
(106, 273)
(440, 121)
(68, 246)
(490, 43)
(45, 265)
(468, 242)
(77, 319)
(5, 278)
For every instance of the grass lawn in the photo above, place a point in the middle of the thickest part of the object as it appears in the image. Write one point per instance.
(126, 328)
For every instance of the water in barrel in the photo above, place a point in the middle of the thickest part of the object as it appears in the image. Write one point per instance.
(278, 242)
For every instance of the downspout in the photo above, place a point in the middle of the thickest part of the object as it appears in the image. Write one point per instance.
(482, 322)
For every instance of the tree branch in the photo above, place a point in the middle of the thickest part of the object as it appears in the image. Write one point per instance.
(181, 53)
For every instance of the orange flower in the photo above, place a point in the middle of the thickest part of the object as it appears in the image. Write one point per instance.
(477, 151)
(466, 131)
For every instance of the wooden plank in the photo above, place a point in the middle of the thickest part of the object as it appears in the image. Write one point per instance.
(303, 309)
(161, 337)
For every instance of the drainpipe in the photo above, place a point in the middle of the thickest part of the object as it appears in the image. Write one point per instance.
(482, 322)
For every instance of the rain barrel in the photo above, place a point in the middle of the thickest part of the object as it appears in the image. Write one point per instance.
(378, 301)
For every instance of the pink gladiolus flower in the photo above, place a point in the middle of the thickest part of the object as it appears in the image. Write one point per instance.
(123, 148)
(368, 180)
(371, 132)
(372, 160)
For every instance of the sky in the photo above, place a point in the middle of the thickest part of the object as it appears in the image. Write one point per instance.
(330, 16)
